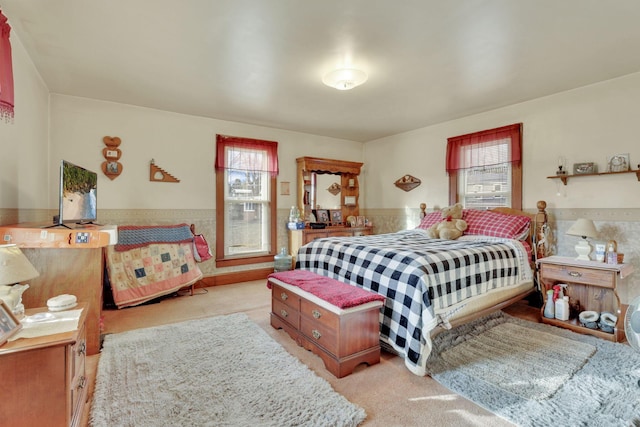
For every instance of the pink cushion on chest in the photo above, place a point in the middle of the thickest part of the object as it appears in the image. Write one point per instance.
(334, 292)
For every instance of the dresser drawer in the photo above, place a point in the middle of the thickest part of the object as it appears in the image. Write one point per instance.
(286, 313)
(573, 274)
(319, 314)
(285, 296)
(320, 334)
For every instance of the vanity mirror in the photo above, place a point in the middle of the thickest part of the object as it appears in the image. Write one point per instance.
(317, 175)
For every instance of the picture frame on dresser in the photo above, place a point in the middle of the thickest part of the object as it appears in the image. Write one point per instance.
(336, 216)
(322, 215)
(9, 323)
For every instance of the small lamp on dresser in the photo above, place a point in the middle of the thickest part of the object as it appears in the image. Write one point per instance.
(14, 268)
(583, 228)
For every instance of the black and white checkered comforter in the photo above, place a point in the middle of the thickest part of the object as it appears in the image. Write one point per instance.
(419, 276)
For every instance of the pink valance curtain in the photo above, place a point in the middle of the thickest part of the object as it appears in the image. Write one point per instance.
(6, 71)
(481, 148)
(248, 162)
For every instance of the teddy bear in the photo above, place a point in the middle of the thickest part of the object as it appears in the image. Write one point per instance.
(452, 225)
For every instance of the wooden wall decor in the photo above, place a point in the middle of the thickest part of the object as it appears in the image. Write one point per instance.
(112, 168)
(407, 183)
(158, 174)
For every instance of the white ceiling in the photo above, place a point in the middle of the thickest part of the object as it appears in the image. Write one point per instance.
(262, 61)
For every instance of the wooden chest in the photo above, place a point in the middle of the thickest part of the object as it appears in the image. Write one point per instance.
(343, 338)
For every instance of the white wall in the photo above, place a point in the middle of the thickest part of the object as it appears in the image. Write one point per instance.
(583, 125)
(182, 145)
(24, 165)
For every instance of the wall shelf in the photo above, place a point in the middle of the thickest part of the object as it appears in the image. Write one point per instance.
(565, 178)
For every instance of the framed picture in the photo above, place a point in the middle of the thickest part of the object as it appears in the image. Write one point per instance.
(336, 216)
(618, 163)
(359, 221)
(322, 215)
(9, 324)
(584, 168)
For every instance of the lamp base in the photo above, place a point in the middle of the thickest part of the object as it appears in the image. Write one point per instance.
(583, 248)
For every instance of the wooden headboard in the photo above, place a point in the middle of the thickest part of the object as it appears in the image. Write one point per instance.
(537, 233)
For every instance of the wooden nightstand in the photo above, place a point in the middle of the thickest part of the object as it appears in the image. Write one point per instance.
(44, 381)
(594, 284)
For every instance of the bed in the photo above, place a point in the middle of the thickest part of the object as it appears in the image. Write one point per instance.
(432, 284)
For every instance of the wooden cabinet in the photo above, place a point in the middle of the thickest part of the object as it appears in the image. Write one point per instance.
(70, 261)
(298, 238)
(593, 284)
(44, 381)
(343, 338)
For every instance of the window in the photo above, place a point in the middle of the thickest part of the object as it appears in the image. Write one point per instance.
(485, 168)
(246, 171)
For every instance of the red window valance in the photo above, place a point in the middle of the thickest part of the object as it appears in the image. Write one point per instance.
(253, 162)
(483, 148)
(6, 71)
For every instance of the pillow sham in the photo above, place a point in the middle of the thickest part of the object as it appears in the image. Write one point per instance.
(430, 219)
(487, 223)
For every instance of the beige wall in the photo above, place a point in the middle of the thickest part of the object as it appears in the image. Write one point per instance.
(583, 125)
(586, 124)
(24, 165)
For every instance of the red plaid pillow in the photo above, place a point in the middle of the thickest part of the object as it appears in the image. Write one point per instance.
(487, 223)
(430, 219)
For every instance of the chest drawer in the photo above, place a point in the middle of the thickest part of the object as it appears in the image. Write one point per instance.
(320, 334)
(587, 276)
(285, 312)
(319, 315)
(285, 297)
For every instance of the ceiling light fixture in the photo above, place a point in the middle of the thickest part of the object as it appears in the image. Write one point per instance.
(345, 78)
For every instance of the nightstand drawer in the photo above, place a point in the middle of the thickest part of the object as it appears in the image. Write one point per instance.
(573, 274)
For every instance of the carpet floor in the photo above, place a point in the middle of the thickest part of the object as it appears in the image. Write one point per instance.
(207, 372)
(538, 375)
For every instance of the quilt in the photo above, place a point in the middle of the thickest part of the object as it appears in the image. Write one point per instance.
(146, 272)
(419, 276)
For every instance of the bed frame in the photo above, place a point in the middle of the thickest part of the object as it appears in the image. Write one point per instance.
(537, 240)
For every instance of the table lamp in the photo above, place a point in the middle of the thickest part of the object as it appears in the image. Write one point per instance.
(583, 228)
(14, 268)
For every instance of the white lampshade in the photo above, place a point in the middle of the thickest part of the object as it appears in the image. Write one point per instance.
(345, 78)
(14, 266)
(583, 228)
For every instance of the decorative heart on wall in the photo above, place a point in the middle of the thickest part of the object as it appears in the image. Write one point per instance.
(112, 168)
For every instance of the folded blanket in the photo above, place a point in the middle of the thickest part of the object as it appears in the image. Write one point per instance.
(334, 292)
(137, 236)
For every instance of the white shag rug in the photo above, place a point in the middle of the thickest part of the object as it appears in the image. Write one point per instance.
(550, 376)
(217, 371)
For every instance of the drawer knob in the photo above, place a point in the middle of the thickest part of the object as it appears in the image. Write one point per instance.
(284, 296)
(316, 314)
(316, 334)
(575, 274)
(284, 313)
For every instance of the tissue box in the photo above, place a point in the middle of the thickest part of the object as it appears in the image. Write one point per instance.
(295, 225)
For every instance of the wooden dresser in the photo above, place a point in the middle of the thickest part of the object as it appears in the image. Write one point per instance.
(44, 381)
(343, 338)
(298, 238)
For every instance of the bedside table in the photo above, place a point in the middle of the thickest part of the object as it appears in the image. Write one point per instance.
(593, 284)
(44, 378)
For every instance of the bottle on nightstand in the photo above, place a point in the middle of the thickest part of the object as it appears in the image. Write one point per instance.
(549, 311)
(562, 308)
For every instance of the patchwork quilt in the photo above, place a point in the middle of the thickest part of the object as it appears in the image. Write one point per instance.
(418, 276)
(146, 272)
